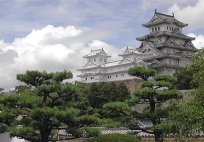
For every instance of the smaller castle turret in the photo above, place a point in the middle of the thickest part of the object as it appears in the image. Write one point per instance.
(98, 57)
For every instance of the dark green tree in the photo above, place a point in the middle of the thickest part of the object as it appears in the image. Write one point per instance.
(118, 112)
(101, 93)
(101, 97)
(185, 79)
(154, 94)
(189, 118)
(45, 107)
(5, 116)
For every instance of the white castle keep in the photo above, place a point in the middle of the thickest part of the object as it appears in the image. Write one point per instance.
(165, 49)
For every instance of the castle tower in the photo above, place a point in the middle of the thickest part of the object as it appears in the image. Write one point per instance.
(165, 48)
(94, 68)
(170, 48)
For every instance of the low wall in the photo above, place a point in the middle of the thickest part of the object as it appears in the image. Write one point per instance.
(132, 85)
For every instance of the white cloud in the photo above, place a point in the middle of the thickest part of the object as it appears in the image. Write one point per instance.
(191, 14)
(199, 41)
(49, 48)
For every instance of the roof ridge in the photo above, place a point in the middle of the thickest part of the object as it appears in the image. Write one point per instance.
(96, 50)
(164, 14)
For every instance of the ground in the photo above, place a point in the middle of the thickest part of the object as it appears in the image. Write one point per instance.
(150, 140)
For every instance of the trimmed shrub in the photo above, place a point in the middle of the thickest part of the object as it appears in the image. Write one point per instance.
(114, 138)
(85, 132)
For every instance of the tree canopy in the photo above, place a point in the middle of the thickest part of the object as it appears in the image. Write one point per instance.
(189, 118)
(101, 93)
(154, 94)
(48, 105)
(142, 72)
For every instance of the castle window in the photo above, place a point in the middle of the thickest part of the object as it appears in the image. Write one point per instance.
(168, 50)
(94, 59)
(122, 75)
(158, 28)
(153, 29)
(92, 78)
(86, 78)
(176, 62)
(167, 27)
(116, 75)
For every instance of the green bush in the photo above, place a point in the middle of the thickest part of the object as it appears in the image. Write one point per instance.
(114, 138)
(85, 132)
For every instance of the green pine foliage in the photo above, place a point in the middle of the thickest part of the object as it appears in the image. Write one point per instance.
(188, 119)
(142, 72)
(185, 79)
(37, 112)
(101, 93)
(118, 111)
(154, 94)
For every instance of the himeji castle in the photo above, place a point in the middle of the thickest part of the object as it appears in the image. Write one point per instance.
(165, 48)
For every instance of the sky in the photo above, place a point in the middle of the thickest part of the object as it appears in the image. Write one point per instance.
(54, 35)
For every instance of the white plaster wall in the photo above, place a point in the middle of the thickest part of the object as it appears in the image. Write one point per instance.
(179, 41)
(184, 62)
(118, 76)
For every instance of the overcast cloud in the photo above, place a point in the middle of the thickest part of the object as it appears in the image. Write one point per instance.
(48, 49)
(55, 35)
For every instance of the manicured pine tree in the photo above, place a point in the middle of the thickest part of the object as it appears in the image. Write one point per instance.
(154, 93)
(46, 106)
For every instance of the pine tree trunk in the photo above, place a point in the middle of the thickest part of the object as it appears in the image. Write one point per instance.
(44, 136)
(45, 132)
(158, 137)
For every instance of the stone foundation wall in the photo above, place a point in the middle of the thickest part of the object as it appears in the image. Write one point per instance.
(132, 85)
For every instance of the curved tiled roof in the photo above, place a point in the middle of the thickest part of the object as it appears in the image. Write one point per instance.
(164, 18)
(175, 34)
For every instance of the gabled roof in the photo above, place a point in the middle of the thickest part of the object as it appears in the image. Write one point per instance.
(90, 64)
(150, 47)
(176, 34)
(170, 42)
(96, 53)
(159, 18)
(189, 44)
(155, 63)
(130, 51)
(125, 60)
(179, 34)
